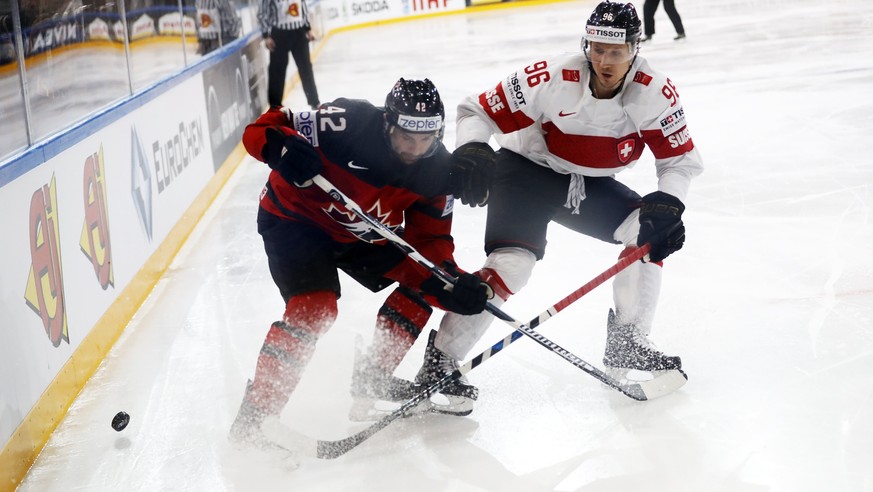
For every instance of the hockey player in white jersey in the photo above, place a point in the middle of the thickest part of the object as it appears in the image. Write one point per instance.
(566, 125)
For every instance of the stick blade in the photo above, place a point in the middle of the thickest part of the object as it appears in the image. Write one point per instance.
(334, 449)
(663, 384)
(287, 438)
(328, 450)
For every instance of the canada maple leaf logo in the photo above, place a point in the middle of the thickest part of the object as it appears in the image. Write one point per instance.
(355, 225)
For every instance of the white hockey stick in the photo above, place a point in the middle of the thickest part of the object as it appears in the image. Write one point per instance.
(635, 390)
(643, 390)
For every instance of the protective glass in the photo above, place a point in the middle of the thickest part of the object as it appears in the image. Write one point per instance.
(411, 146)
(609, 53)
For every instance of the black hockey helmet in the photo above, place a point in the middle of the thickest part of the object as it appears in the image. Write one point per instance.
(613, 23)
(415, 106)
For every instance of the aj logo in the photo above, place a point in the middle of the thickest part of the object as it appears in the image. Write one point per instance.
(94, 240)
(45, 284)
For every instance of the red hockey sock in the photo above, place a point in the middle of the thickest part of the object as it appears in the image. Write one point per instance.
(399, 323)
(288, 347)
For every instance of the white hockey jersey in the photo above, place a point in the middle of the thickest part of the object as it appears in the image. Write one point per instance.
(546, 112)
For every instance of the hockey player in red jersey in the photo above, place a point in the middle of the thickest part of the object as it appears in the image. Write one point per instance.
(566, 126)
(391, 161)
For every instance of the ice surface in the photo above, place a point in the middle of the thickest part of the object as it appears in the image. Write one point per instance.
(770, 304)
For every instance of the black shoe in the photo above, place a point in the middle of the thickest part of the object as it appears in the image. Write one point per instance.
(628, 348)
(459, 392)
(246, 427)
(679, 36)
(277, 443)
(372, 384)
(645, 38)
(369, 381)
(247, 430)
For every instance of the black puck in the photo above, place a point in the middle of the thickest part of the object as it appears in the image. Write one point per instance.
(120, 421)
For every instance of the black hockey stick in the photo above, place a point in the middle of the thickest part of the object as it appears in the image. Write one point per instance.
(334, 449)
(637, 390)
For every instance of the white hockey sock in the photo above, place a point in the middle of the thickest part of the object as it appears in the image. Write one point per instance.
(635, 292)
(458, 334)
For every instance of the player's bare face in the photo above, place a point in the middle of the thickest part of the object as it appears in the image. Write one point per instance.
(411, 146)
(610, 62)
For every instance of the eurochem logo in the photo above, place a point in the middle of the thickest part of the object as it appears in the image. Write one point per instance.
(141, 183)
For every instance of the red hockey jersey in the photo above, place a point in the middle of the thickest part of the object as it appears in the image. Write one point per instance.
(357, 159)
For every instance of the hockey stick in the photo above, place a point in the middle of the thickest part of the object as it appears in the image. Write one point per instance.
(335, 449)
(637, 390)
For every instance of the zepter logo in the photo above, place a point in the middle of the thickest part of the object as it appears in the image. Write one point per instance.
(305, 124)
(419, 124)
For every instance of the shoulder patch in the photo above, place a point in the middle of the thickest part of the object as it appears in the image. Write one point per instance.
(304, 123)
(571, 75)
(673, 121)
(514, 92)
(450, 206)
(642, 78)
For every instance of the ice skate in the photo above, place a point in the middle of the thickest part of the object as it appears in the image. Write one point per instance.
(629, 349)
(372, 385)
(459, 393)
(252, 430)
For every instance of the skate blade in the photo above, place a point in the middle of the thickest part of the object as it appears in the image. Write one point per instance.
(373, 410)
(451, 405)
(654, 384)
(664, 383)
(287, 446)
(366, 410)
(625, 375)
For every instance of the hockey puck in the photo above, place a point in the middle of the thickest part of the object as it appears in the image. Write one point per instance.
(120, 421)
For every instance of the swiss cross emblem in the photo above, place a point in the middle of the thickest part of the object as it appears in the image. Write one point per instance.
(625, 150)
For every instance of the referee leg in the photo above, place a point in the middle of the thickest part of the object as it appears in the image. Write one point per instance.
(278, 68)
(300, 52)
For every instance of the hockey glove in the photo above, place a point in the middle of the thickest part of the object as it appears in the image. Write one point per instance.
(292, 157)
(661, 225)
(467, 296)
(472, 169)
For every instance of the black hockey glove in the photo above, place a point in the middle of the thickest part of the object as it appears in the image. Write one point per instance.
(292, 157)
(661, 225)
(467, 296)
(472, 169)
